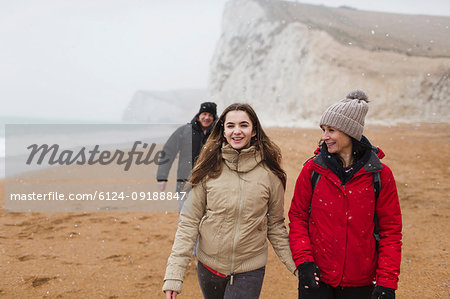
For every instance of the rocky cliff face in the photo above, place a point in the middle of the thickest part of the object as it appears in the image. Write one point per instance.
(291, 61)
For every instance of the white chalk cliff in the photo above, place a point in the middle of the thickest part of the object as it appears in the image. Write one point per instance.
(172, 106)
(291, 61)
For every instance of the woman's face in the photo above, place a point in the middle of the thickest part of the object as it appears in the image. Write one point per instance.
(336, 141)
(238, 129)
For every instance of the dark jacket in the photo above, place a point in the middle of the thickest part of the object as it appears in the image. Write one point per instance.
(337, 234)
(188, 141)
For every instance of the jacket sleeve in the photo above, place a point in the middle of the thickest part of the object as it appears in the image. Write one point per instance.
(390, 222)
(185, 238)
(276, 229)
(299, 218)
(170, 149)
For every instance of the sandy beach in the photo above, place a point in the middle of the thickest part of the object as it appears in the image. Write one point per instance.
(123, 255)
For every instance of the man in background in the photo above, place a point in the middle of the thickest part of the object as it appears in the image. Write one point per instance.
(195, 132)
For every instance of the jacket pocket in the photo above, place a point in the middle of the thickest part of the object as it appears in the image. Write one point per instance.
(263, 225)
(210, 232)
(261, 234)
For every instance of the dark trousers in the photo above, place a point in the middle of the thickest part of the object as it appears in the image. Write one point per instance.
(328, 292)
(246, 285)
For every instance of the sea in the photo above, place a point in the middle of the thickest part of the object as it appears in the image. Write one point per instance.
(4, 120)
(109, 135)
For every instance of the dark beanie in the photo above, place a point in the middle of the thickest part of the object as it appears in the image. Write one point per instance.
(208, 107)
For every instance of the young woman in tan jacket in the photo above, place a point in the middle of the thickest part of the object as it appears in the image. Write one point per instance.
(235, 205)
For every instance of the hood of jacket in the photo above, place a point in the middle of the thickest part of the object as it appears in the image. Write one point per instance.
(368, 163)
(241, 161)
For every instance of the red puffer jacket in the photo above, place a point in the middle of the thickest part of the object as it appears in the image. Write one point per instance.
(337, 234)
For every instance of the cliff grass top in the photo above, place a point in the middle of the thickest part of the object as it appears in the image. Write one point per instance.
(415, 35)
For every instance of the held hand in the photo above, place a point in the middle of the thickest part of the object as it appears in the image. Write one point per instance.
(162, 185)
(309, 275)
(171, 294)
(380, 292)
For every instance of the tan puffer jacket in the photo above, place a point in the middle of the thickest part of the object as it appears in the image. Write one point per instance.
(233, 216)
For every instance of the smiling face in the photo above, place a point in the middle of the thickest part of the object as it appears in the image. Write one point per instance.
(205, 119)
(238, 129)
(337, 142)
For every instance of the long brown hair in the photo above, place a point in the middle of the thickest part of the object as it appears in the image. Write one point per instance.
(209, 163)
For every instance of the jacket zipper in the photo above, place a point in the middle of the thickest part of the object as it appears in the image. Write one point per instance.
(236, 232)
(345, 195)
(346, 232)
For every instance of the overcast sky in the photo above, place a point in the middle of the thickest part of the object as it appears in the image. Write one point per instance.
(85, 59)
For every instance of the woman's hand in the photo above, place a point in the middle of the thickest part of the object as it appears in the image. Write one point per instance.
(171, 294)
(309, 275)
(380, 292)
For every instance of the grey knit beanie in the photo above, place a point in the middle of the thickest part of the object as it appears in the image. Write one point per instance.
(348, 115)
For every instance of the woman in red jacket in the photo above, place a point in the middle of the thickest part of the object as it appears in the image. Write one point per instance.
(333, 224)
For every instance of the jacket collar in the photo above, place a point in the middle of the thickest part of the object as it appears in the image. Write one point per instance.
(373, 163)
(241, 161)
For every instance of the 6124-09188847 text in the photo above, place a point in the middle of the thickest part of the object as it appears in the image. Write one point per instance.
(142, 195)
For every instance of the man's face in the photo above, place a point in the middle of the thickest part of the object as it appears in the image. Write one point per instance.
(205, 119)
